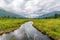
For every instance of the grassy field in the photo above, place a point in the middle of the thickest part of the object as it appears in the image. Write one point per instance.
(10, 24)
(51, 27)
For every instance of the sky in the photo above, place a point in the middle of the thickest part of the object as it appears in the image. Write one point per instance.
(30, 8)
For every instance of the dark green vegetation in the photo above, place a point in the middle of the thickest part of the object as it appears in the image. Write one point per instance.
(54, 16)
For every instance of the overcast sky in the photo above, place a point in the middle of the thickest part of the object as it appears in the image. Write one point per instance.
(30, 8)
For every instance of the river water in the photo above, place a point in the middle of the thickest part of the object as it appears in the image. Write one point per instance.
(25, 32)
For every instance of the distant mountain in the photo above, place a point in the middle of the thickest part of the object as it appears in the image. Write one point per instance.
(10, 14)
(49, 14)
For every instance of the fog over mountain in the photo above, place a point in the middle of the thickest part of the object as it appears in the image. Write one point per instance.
(30, 8)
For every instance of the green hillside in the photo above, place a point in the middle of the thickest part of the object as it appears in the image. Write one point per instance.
(4, 13)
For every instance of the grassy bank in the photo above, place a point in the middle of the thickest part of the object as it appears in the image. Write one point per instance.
(51, 27)
(9, 24)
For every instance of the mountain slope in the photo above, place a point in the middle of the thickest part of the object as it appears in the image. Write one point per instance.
(49, 14)
(10, 14)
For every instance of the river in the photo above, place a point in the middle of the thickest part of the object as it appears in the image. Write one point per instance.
(25, 32)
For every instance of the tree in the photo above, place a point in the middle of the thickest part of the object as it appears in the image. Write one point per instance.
(56, 15)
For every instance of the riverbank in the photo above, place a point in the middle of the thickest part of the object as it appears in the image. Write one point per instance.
(25, 32)
(49, 27)
(10, 24)
(44, 33)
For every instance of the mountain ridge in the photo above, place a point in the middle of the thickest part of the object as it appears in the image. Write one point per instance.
(49, 14)
(10, 14)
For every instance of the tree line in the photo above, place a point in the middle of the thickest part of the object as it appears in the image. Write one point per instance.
(54, 16)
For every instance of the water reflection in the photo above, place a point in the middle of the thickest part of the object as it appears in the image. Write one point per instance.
(25, 32)
(6, 36)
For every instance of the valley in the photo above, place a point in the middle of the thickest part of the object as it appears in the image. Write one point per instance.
(49, 27)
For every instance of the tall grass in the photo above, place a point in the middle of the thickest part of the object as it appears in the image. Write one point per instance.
(49, 26)
(10, 24)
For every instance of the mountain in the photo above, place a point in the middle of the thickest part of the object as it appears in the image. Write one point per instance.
(10, 14)
(49, 14)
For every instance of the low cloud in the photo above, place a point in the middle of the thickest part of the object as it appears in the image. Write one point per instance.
(30, 8)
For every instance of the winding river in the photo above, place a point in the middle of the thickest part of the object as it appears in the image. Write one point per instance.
(25, 32)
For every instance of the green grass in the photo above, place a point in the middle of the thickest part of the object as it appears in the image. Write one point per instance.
(12, 38)
(51, 27)
(9, 24)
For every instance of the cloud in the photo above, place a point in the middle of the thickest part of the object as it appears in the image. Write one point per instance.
(30, 8)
